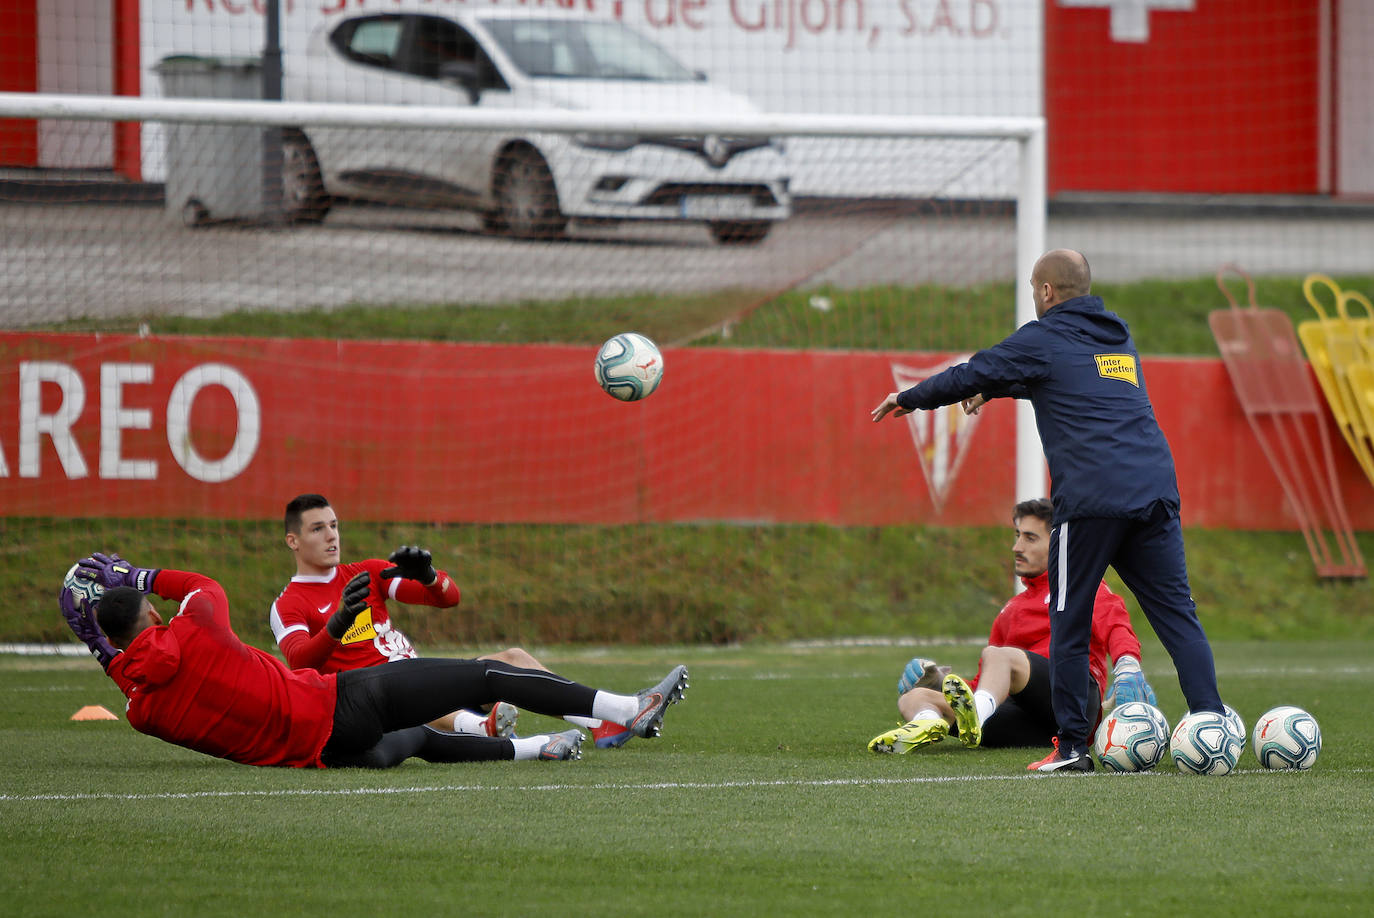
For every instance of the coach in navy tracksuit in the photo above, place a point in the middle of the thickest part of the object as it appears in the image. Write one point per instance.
(1114, 490)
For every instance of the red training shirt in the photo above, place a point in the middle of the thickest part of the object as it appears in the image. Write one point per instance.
(192, 682)
(1025, 622)
(299, 615)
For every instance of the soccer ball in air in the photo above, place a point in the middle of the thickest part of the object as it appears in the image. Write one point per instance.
(82, 588)
(629, 367)
(1133, 737)
(1206, 743)
(1287, 737)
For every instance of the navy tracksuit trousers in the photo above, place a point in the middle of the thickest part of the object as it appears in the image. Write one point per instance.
(1148, 556)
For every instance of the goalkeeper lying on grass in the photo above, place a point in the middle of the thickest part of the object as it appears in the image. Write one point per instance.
(1008, 702)
(192, 682)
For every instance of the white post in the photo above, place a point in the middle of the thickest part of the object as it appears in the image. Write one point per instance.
(1030, 245)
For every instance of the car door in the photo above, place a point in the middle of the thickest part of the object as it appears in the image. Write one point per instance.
(397, 60)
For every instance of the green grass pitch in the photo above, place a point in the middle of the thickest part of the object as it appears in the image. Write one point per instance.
(759, 799)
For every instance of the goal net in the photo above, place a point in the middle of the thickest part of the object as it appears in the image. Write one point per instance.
(400, 425)
(388, 288)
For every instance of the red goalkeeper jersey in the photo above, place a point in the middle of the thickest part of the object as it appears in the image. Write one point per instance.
(1025, 622)
(301, 611)
(192, 682)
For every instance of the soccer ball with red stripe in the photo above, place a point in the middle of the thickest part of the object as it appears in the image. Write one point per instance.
(629, 367)
(1287, 737)
(1133, 737)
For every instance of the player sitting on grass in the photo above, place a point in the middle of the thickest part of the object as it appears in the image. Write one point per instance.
(300, 614)
(1008, 702)
(192, 682)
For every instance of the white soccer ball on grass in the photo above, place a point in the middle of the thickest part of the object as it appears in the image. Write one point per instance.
(1132, 737)
(1287, 737)
(1206, 743)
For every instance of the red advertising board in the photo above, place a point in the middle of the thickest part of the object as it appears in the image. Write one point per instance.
(124, 426)
(1214, 96)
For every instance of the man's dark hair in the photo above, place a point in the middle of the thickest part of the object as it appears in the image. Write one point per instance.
(117, 613)
(1039, 508)
(297, 507)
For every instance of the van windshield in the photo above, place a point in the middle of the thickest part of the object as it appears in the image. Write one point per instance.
(574, 49)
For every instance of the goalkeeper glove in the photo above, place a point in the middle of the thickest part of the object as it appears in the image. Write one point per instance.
(81, 619)
(412, 563)
(1128, 684)
(352, 604)
(921, 673)
(112, 571)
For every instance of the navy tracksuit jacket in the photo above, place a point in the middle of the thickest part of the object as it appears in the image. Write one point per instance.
(1114, 489)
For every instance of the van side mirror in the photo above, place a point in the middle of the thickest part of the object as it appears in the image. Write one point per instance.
(699, 76)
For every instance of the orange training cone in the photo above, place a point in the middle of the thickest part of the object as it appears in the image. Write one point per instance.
(94, 712)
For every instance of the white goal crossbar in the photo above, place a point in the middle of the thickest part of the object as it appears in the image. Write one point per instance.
(1029, 134)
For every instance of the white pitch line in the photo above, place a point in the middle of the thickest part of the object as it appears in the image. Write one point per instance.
(658, 785)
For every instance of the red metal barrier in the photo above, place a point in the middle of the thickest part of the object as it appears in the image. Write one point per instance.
(231, 428)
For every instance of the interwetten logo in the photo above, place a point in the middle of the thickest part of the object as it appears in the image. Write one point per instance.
(1118, 366)
(361, 629)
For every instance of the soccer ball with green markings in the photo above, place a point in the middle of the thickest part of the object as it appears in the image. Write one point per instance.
(1206, 743)
(629, 367)
(1133, 737)
(1287, 737)
(82, 588)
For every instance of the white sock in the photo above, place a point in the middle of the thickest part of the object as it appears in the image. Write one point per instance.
(527, 747)
(985, 704)
(619, 709)
(468, 722)
(586, 723)
(925, 714)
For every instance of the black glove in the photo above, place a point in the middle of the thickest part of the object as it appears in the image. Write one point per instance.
(352, 604)
(413, 563)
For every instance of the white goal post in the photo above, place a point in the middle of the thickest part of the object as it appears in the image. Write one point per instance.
(1027, 132)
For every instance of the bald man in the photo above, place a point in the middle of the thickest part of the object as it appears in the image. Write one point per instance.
(1114, 489)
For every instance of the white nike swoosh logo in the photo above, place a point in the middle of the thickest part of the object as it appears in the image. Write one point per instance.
(325, 609)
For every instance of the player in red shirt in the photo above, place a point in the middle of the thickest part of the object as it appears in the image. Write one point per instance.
(192, 682)
(1008, 702)
(299, 614)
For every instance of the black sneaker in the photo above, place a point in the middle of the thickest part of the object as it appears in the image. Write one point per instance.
(1071, 759)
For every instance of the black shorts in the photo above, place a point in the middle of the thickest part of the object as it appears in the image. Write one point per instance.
(1026, 718)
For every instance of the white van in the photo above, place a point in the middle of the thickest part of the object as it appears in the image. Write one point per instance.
(526, 184)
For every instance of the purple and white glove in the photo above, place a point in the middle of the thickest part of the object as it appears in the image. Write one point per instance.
(112, 571)
(81, 619)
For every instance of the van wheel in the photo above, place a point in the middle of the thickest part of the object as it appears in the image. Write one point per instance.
(303, 196)
(526, 199)
(740, 232)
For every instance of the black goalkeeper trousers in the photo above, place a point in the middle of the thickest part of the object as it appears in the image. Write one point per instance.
(380, 713)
